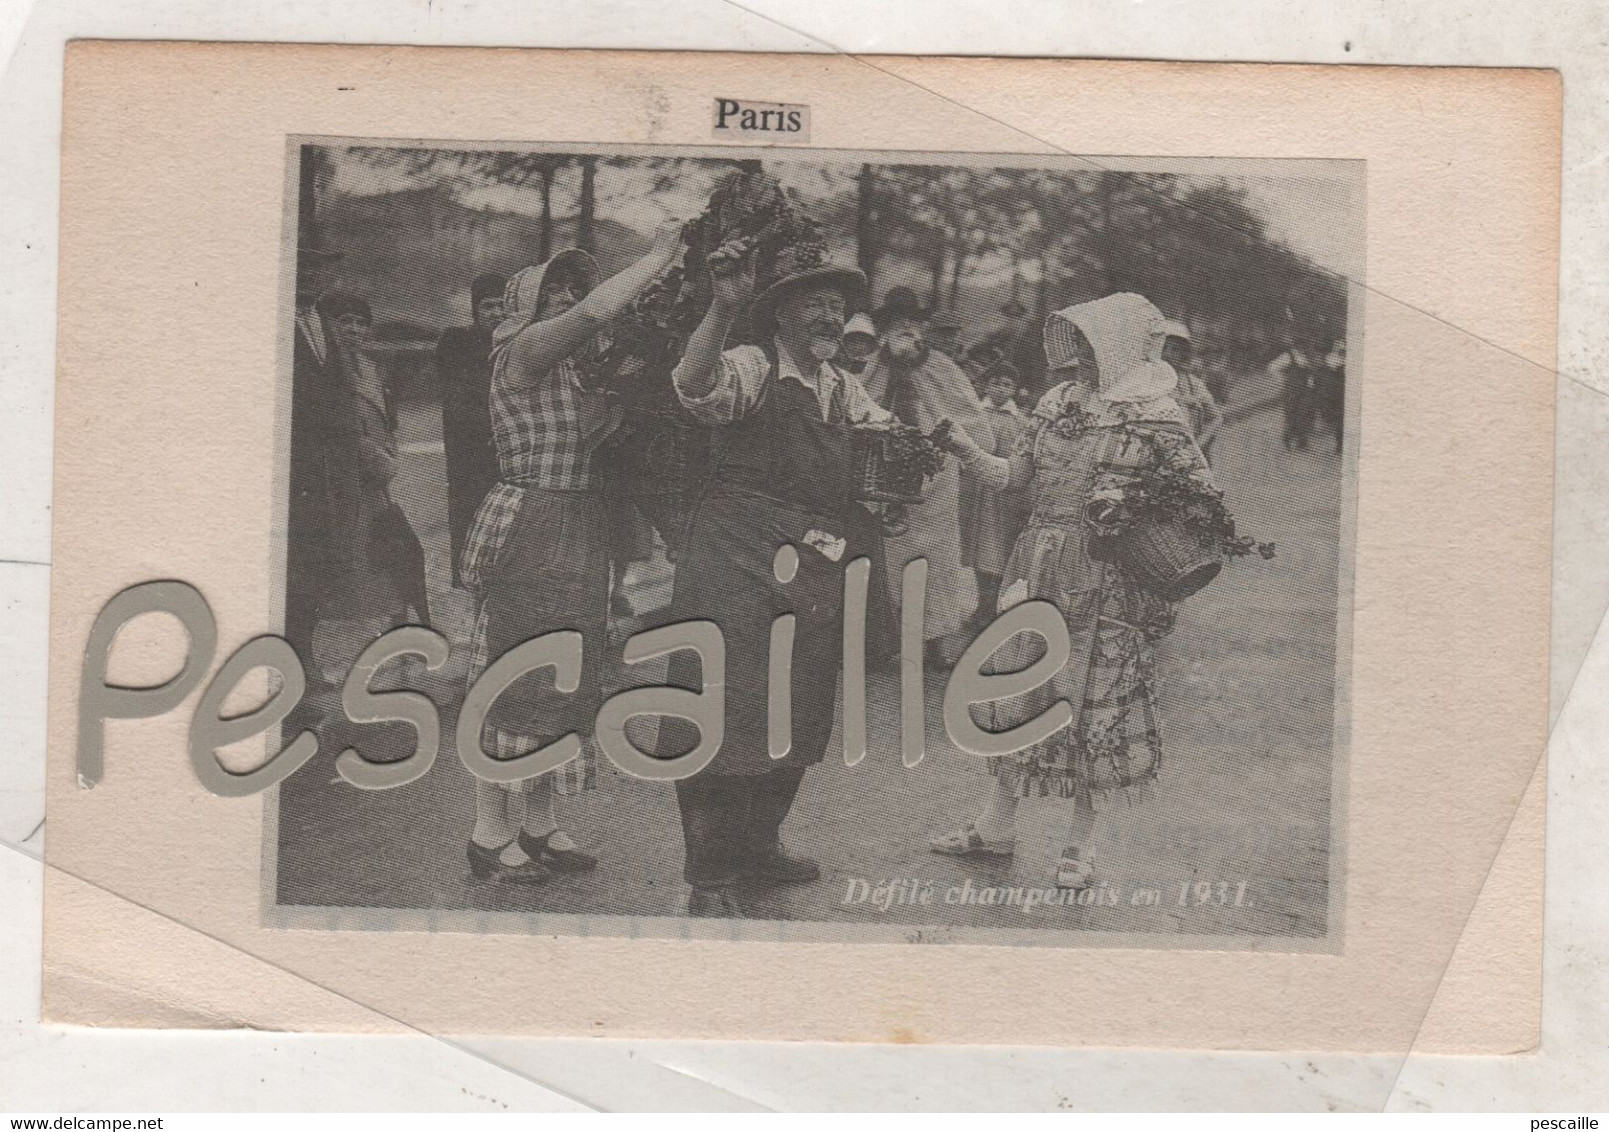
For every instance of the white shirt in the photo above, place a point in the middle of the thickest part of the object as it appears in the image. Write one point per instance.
(740, 382)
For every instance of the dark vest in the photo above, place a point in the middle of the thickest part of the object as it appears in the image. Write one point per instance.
(783, 449)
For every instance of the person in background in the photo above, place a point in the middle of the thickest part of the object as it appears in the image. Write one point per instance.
(537, 554)
(992, 518)
(860, 343)
(1206, 419)
(1215, 371)
(1331, 390)
(321, 461)
(1296, 369)
(977, 361)
(1020, 344)
(375, 573)
(923, 387)
(464, 373)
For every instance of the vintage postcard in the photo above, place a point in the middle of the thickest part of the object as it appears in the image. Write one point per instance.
(782, 548)
(934, 277)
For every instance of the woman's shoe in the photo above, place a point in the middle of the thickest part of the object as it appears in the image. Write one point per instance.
(487, 864)
(1074, 871)
(560, 860)
(968, 842)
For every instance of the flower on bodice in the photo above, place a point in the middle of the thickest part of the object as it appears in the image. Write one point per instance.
(1073, 421)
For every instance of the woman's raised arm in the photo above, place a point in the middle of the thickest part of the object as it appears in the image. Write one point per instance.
(547, 342)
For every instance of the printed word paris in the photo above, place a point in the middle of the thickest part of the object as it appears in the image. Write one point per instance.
(759, 117)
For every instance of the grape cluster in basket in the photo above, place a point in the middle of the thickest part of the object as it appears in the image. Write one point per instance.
(1172, 490)
(910, 453)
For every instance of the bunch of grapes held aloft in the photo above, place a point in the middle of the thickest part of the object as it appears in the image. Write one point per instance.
(747, 212)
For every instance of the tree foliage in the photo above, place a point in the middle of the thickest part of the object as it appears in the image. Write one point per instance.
(1196, 246)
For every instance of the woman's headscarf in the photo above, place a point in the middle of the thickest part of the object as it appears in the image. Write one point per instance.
(523, 295)
(1126, 331)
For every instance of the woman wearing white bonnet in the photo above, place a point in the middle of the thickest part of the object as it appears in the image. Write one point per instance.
(860, 343)
(1112, 415)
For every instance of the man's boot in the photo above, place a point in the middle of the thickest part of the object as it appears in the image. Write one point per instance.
(768, 808)
(714, 820)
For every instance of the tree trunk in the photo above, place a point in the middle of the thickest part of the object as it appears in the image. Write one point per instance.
(941, 253)
(544, 248)
(1042, 302)
(584, 238)
(955, 278)
(1107, 247)
(865, 212)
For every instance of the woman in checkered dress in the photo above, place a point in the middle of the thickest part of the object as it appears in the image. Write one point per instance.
(537, 554)
(1115, 418)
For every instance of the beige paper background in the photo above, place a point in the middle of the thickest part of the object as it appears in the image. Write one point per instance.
(172, 202)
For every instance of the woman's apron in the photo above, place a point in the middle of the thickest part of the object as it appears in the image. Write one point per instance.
(778, 475)
(1053, 561)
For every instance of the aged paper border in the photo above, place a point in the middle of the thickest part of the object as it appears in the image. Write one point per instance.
(1424, 171)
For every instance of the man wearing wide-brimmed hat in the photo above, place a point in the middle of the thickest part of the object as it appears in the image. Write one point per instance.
(772, 533)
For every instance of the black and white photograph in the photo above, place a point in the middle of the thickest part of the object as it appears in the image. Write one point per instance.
(889, 547)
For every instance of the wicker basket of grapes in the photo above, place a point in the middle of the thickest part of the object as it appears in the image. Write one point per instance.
(891, 462)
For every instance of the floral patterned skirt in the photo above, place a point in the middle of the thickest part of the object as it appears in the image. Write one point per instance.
(1113, 747)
